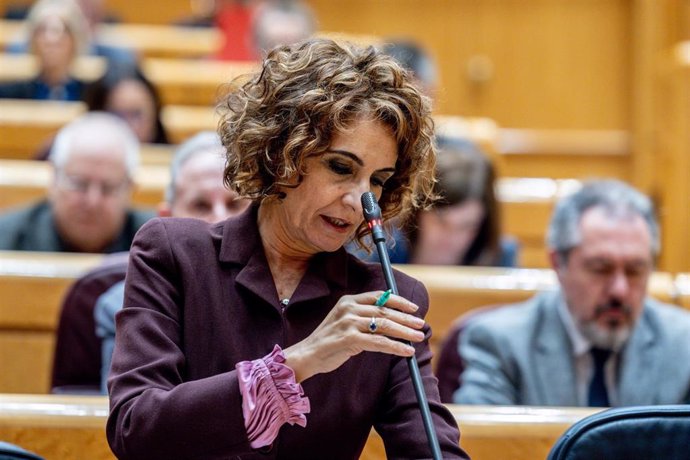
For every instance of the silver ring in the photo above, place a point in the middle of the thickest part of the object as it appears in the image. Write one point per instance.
(372, 325)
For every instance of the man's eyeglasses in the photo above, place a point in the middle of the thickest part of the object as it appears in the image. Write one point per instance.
(82, 185)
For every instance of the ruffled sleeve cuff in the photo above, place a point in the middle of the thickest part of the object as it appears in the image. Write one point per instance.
(270, 397)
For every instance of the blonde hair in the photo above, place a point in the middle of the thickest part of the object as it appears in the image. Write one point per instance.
(68, 11)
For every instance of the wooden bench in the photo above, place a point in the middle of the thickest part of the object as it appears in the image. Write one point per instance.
(179, 81)
(73, 427)
(23, 181)
(561, 154)
(161, 40)
(27, 126)
(32, 286)
(683, 289)
(502, 432)
(526, 204)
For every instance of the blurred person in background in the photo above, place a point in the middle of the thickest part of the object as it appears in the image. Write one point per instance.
(57, 35)
(88, 203)
(413, 57)
(252, 28)
(126, 92)
(599, 340)
(93, 14)
(196, 190)
(464, 226)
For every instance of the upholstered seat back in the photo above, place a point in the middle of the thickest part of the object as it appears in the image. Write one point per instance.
(628, 433)
(11, 452)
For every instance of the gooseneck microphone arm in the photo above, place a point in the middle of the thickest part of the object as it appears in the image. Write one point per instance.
(372, 215)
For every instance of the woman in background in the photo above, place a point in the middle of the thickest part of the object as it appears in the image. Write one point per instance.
(57, 34)
(464, 226)
(125, 91)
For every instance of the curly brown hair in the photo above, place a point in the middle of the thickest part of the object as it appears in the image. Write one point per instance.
(304, 94)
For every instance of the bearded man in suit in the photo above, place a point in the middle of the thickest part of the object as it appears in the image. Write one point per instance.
(598, 340)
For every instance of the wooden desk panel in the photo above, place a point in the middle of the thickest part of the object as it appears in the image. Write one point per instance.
(70, 427)
(561, 154)
(526, 209)
(24, 181)
(683, 289)
(179, 81)
(32, 286)
(162, 40)
(27, 125)
(56, 427)
(502, 432)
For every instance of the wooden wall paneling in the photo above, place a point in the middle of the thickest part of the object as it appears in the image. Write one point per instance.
(674, 159)
(545, 63)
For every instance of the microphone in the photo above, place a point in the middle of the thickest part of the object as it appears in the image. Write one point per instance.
(373, 218)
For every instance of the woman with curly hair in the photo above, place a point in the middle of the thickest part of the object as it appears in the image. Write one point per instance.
(260, 334)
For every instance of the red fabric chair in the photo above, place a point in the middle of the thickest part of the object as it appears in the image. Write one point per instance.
(77, 359)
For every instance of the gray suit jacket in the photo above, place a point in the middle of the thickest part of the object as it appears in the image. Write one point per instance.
(32, 228)
(521, 354)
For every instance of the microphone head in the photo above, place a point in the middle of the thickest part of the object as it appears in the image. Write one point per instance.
(370, 207)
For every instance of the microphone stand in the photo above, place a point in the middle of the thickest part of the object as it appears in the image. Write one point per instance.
(372, 214)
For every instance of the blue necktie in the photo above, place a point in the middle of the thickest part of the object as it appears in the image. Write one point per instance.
(598, 396)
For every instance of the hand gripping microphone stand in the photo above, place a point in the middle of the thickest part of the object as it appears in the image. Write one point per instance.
(372, 215)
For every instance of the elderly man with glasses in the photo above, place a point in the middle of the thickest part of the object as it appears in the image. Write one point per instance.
(88, 204)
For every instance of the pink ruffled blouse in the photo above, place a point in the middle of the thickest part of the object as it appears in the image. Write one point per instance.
(270, 397)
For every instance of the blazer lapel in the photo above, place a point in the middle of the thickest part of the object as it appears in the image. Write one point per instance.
(638, 376)
(553, 362)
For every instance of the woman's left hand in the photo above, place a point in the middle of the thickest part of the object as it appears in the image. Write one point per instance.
(356, 324)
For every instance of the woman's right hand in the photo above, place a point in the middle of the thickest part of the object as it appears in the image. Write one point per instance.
(345, 333)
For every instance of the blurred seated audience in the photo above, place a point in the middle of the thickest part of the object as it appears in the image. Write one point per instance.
(88, 204)
(464, 225)
(413, 57)
(234, 20)
(196, 190)
(599, 340)
(93, 14)
(57, 34)
(252, 28)
(125, 91)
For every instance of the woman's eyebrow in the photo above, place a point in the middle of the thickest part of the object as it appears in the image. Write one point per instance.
(350, 155)
(356, 159)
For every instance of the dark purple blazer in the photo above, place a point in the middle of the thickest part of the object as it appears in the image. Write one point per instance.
(200, 298)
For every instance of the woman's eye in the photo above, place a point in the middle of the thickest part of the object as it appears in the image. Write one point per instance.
(377, 182)
(339, 168)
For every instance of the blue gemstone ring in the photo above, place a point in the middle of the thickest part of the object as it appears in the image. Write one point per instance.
(372, 325)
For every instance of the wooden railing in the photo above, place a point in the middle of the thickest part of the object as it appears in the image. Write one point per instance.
(32, 286)
(71, 428)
